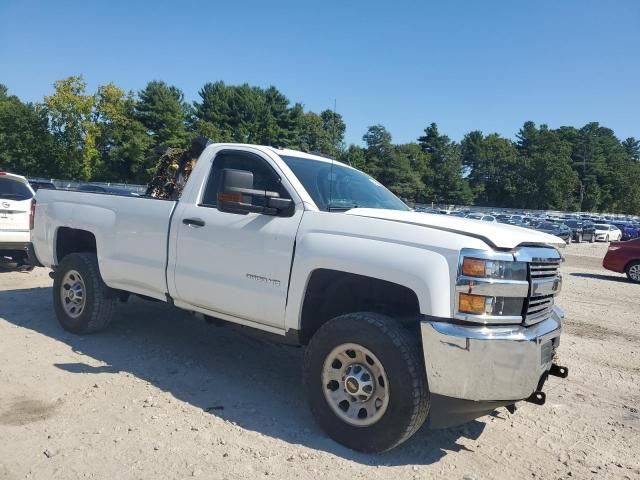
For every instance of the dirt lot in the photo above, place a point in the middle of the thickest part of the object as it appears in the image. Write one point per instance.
(163, 395)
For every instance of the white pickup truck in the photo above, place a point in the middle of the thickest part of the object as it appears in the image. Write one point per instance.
(405, 316)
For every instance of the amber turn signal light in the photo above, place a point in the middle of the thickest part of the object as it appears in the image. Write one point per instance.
(474, 304)
(473, 267)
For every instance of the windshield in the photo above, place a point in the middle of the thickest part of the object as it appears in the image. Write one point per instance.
(11, 189)
(600, 226)
(341, 188)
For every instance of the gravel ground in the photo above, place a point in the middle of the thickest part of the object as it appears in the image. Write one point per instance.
(163, 395)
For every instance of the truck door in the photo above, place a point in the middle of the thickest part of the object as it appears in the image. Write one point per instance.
(235, 264)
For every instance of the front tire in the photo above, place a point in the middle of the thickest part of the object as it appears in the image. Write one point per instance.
(366, 382)
(82, 301)
(633, 272)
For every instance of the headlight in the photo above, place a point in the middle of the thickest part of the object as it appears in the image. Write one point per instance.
(494, 269)
(491, 287)
(474, 304)
(492, 306)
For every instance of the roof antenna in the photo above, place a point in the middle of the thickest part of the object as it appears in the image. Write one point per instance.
(333, 141)
(333, 132)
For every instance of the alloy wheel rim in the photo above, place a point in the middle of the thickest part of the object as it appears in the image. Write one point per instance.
(634, 272)
(355, 385)
(72, 294)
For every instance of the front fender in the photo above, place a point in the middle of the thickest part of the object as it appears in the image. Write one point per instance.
(423, 271)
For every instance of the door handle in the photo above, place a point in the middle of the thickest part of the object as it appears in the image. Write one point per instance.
(193, 222)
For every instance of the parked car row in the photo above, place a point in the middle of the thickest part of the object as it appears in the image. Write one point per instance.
(557, 229)
(570, 227)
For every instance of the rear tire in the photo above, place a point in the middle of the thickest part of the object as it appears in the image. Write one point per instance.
(82, 301)
(381, 349)
(633, 272)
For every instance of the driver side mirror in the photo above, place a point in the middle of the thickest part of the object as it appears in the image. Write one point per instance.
(237, 193)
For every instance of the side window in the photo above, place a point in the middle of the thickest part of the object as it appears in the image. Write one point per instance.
(264, 177)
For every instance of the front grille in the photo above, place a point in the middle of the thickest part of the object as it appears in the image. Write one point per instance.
(539, 307)
(544, 269)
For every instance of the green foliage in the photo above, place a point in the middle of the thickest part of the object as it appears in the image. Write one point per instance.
(69, 110)
(632, 148)
(247, 114)
(121, 139)
(448, 183)
(354, 156)
(26, 144)
(163, 112)
(112, 135)
(401, 168)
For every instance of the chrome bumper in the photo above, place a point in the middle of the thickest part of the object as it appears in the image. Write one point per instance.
(489, 362)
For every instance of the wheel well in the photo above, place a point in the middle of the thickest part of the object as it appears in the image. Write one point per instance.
(331, 293)
(71, 240)
(630, 262)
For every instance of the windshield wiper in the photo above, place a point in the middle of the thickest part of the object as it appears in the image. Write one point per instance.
(343, 208)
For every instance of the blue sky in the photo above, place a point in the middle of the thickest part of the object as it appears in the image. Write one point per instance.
(487, 65)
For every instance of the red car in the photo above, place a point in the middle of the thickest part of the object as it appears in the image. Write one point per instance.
(624, 257)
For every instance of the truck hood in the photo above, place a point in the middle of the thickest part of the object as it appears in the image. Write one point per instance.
(496, 235)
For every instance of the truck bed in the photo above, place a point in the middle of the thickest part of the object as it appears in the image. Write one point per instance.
(132, 232)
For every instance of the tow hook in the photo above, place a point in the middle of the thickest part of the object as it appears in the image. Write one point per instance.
(537, 397)
(558, 371)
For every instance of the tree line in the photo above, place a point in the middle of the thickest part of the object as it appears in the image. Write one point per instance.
(113, 135)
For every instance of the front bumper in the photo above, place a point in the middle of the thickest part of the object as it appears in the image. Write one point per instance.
(489, 363)
(614, 262)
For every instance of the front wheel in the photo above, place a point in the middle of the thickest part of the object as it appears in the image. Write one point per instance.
(633, 272)
(82, 301)
(607, 239)
(580, 238)
(593, 238)
(366, 382)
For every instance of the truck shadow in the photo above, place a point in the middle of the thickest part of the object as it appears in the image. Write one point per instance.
(239, 378)
(600, 276)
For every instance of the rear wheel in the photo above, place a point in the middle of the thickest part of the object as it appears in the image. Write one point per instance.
(633, 272)
(365, 381)
(82, 301)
